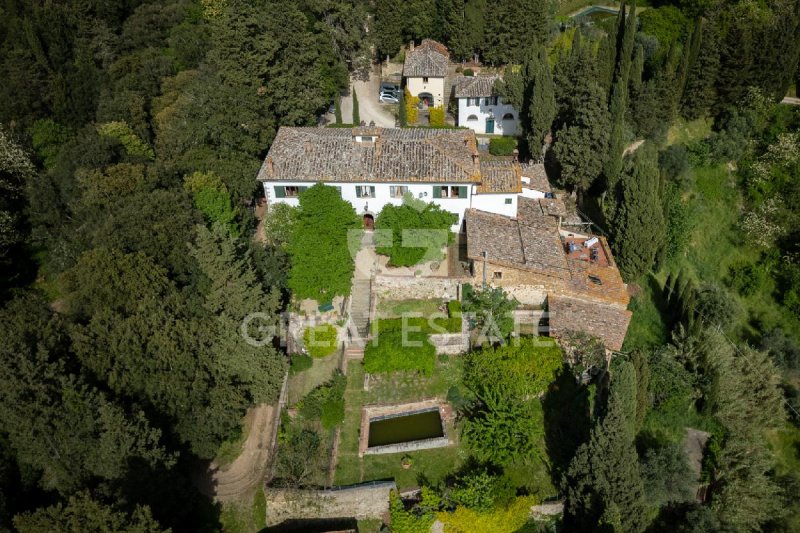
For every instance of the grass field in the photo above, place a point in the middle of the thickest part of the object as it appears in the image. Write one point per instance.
(303, 382)
(435, 464)
(240, 518)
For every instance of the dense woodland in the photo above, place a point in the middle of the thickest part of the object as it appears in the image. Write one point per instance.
(130, 136)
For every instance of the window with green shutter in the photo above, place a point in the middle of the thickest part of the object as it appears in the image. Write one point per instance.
(462, 192)
(437, 191)
(280, 191)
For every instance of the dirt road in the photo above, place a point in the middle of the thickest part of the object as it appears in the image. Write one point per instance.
(238, 480)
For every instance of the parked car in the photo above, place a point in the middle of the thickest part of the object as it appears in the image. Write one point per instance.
(387, 87)
(388, 98)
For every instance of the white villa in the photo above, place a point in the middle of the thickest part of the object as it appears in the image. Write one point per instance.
(374, 166)
(481, 109)
(425, 70)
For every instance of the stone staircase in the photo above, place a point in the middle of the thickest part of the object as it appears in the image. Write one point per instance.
(359, 317)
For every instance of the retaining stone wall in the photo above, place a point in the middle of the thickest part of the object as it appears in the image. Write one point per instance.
(370, 500)
(415, 288)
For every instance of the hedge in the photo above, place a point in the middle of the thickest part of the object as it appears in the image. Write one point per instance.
(502, 145)
(320, 341)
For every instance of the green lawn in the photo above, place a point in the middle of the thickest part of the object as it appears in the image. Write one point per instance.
(399, 387)
(647, 327)
(398, 308)
(435, 464)
(304, 382)
(239, 518)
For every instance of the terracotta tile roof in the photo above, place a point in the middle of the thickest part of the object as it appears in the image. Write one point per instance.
(496, 234)
(500, 177)
(606, 322)
(475, 86)
(396, 155)
(429, 59)
(530, 244)
(536, 177)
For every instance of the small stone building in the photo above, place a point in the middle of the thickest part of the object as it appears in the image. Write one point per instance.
(425, 71)
(540, 263)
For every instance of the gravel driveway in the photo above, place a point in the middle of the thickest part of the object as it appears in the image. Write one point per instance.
(369, 108)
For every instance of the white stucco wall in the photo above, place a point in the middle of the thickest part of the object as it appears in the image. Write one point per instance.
(501, 127)
(532, 193)
(435, 86)
(496, 203)
(382, 196)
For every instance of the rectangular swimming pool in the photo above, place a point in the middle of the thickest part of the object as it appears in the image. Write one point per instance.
(405, 428)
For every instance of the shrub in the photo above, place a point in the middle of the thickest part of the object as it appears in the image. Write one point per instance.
(674, 161)
(411, 107)
(468, 72)
(326, 402)
(511, 518)
(395, 349)
(320, 341)
(502, 145)
(437, 116)
(300, 362)
(746, 279)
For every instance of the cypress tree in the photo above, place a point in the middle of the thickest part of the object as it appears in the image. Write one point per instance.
(337, 109)
(402, 115)
(613, 164)
(700, 92)
(639, 222)
(637, 70)
(619, 99)
(542, 108)
(604, 486)
(356, 115)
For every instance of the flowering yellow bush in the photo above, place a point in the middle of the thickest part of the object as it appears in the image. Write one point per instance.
(502, 520)
(437, 116)
(411, 107)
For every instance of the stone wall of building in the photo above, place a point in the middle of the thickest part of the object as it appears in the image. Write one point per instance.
(417, 288)
(369, 500)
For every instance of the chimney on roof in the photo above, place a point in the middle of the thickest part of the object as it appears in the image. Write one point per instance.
(308, 147)
(411, 45)
(515, 155)
(269, 166)
(475, 159)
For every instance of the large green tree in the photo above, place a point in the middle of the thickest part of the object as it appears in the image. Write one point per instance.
(322, 258)
(239, 305)
(59, 424)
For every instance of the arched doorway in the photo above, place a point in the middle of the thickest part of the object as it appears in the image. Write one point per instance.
(369, 222)
(426, 99)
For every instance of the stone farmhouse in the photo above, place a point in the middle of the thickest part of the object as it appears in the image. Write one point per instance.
(505, 210)
(481, 109)
(374, 166)
(425, 71)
